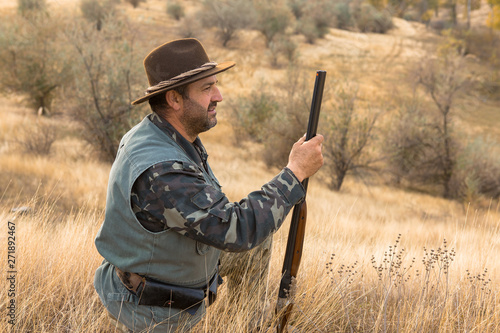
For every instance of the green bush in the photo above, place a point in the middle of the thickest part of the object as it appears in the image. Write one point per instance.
(227, 17)
(190, 27)
(96, 11)
(370, 19)
(276, 117)
(489, 84)
(33, 61)
(135, 3)
(24, 7)
(308, 29)
(283, 47)
(175, 10)
(297, 7)
(484, 43)
(272, 19)
(289, 122)
(477, 171)
(320, 15)
(343, 16)
(252, 114)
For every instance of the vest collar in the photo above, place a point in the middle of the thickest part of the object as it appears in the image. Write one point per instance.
(196, 151)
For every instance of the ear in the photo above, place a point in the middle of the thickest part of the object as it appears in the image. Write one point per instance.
(174, 99)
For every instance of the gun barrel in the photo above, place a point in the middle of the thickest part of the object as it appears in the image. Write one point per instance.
(317, 98)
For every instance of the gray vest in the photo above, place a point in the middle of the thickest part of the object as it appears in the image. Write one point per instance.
(165, 256)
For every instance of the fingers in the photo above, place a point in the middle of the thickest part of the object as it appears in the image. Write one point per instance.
(314, 141)
(301, 140)
(318, 139)
(306, 157)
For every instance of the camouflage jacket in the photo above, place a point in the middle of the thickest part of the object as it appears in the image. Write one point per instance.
(230, 226)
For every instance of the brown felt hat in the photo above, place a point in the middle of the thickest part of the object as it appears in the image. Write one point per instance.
(176, 63)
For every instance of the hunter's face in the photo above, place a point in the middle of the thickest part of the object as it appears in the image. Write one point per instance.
(200, 106)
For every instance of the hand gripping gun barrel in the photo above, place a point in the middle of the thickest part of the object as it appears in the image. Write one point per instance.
(295, 241)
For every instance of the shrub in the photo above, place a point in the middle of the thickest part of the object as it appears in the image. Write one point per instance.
(284, 129)
(350, 135)
(406, 143)
(297, 7)
(343, 16)
(489, 84)
(289, 122)
(33, 61)
(38, 139)
(440, 25)
(175, 10)
(318, 17)
(399, 8)
(411, 15)
(228, 17)
(25, 7)
(96, 11)
(190, 27)
(444, 80)
(422, 154)
(308, 29)
(252, 114)
(109, 72)
(276, 117)
(282, 47)
(289, 50)
(482, 42)
(135, 3)
(273, 18)
(369, 19)
(477, 171)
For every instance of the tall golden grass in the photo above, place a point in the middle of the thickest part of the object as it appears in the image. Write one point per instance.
(375, 259)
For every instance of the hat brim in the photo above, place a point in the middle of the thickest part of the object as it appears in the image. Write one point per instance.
(217, 69)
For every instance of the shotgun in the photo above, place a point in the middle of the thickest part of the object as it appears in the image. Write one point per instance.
(295, 241)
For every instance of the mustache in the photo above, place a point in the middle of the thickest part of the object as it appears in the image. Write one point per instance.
(212, 105)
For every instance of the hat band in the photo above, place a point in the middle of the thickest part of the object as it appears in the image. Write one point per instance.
(180, 77)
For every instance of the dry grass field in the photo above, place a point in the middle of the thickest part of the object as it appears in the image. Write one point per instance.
(376, 259)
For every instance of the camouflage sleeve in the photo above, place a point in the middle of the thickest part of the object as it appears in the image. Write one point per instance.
(180, 198)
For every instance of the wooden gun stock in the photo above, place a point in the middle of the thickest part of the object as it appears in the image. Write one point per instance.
(296, 234)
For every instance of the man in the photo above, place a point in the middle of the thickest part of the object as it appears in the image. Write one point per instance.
(166, 218)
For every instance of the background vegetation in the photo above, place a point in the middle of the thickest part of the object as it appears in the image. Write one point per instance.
(404, 217)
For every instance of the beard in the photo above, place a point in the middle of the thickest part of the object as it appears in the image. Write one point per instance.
(196, 118)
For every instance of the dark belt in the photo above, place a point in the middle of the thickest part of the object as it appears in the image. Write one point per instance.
(156, 293)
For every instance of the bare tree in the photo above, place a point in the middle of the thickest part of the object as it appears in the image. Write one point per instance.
(443, 79)
(407, 141)
(349, 136)
(108, 68)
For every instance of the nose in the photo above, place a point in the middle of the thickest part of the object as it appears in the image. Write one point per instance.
(217, 96)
